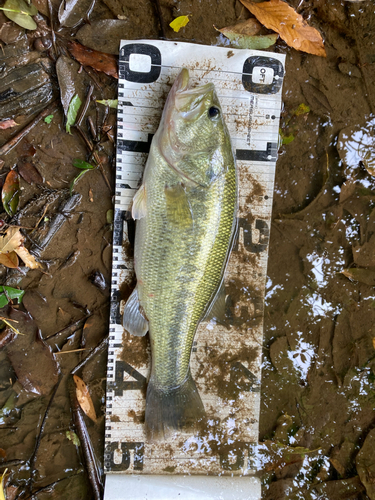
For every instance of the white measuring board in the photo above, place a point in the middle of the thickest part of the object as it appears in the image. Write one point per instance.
(225, 361)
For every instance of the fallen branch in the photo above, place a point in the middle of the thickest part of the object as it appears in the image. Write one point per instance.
(23, 133)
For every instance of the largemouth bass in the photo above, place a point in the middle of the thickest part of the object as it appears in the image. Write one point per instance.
(186, 213)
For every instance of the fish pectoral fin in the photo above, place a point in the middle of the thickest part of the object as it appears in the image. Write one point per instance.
(133, 320)
(217, 308)
(178, 206)
(139, 208)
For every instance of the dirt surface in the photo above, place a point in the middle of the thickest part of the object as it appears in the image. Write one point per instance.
(318, 376)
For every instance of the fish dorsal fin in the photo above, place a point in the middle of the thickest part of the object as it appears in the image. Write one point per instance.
(216, 310)
(178, 206)
(133, 320)
(139, 208)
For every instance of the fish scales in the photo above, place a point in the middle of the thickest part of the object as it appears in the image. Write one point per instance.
(186, 221)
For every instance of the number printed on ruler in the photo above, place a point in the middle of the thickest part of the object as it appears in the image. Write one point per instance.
(225, 362)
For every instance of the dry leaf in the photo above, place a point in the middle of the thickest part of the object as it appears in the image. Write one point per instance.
(12, 241)
(292, 28)
(100, 61)
(360, 274)
(9, 260)
(249, 27)
(84, 398)
(244, 35)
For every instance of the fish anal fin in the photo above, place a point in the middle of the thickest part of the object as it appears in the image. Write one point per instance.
(178, 206)
(139, 209)
(217, 308)
(133, 320)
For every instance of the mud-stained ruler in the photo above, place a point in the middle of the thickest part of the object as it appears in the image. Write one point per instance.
(226, 360)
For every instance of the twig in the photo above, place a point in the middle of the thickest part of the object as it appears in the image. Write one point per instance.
(37, 443)
(49, 486)
(85, 106)
(94, 153)
(73, 350)
(90, 355)
(50, 9)
(77, 324)
(12, 463)
(161, 21)
(12, 327)
(58, 221)
(86, 447)
(23, 133)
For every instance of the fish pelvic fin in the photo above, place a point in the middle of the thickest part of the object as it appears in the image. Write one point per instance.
(133, 320)
(174, 409)
(139, 209)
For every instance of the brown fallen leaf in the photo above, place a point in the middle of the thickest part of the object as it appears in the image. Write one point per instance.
(12, 241)
(245, 35)
(360, 274)
(249, 27)
(9, 260)
(292, 28)
(29, 172)
(4, 124)
(106, 63)
(84, 398)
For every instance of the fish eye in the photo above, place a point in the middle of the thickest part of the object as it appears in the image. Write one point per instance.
(213, 112)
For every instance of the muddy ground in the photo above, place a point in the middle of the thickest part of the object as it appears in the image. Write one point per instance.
(318, 377)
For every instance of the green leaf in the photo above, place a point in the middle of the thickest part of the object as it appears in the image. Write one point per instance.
(74, 106)
(285, 139)
(75, 180)
(72, 436)
(7, 292)
(252, 42)
(302, 109)
(10, 193)
(179, 23)
(111, 103)
(110, 216)
(20, 13)
(82, 164)
(48, 118)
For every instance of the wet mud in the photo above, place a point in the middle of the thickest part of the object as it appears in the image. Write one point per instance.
(318, 372)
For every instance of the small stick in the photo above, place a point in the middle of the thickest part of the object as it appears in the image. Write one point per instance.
(49, 486)
(85, 107)
(92, 128)
(52, 30)
(90, 355)
(94, 153)
(74, 350)
(86, 446)
(77, 324)
(161, 21)
(37, 443)
(23, 133)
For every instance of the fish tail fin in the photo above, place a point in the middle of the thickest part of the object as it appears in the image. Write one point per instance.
(176, 408)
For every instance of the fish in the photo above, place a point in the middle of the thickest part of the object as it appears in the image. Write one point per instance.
(185, 212)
